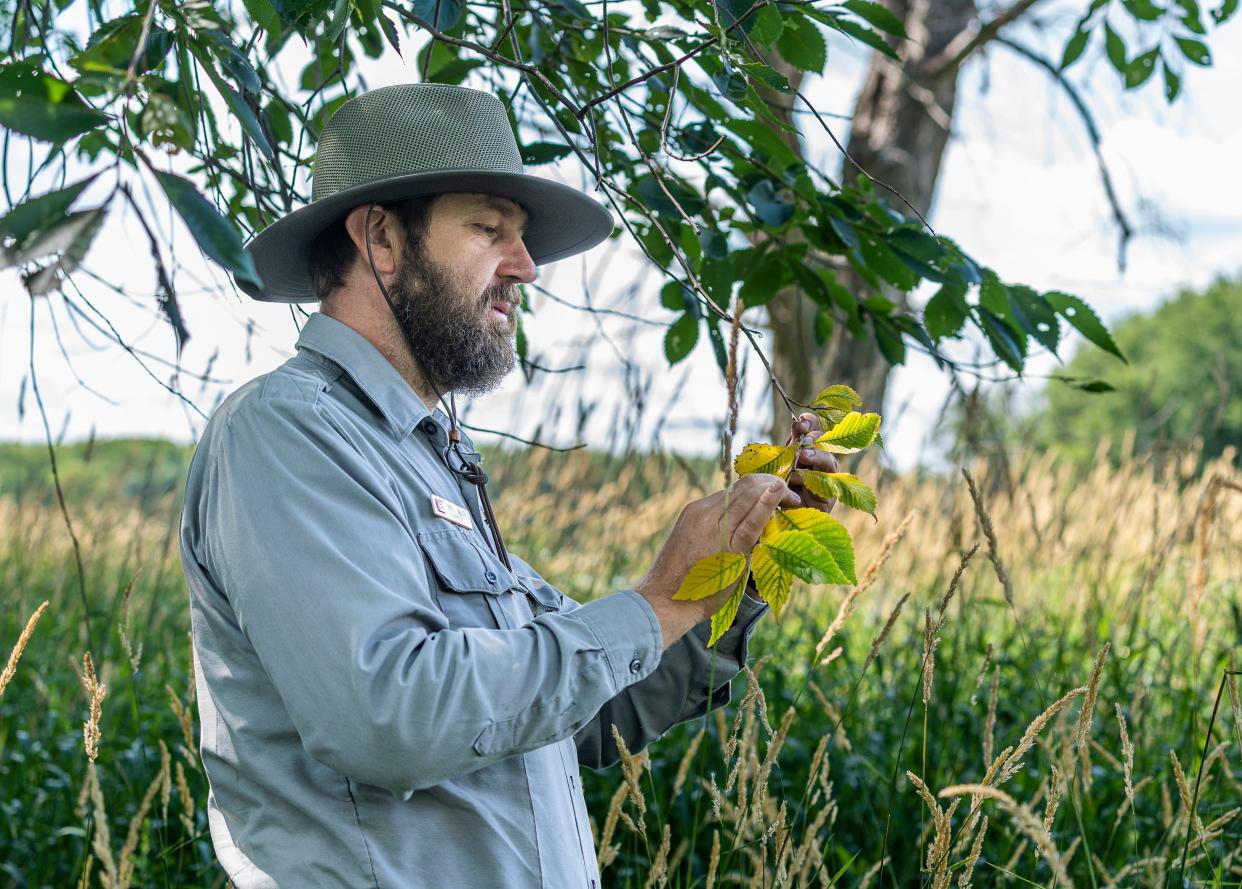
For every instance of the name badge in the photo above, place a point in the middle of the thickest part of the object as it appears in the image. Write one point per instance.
(446, 509)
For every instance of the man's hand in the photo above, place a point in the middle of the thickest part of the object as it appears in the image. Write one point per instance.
(698, 534)
(805, 430)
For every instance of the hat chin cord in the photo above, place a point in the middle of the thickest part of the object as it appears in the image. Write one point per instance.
(470, 471)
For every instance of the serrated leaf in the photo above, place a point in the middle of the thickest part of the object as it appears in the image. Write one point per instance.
(69, 236)
(1035, 316)
(710, 575)
(801, 45)
(38, 213)
(839, 397)
(851, 434)
(827, 531)
(1003, 339)
(1085, 321)
(214, 234)
(877, 15)
(723, 619)
(768, 25)
(843, 486)
(946, 312)
(798, 553)
(772, 581)
(681, 337)
(762, 457)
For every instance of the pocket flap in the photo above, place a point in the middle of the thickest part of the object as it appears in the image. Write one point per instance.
(462, 565)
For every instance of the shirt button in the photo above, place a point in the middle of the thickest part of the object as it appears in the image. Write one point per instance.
(491, 576)
(636, 666)
(428, 426)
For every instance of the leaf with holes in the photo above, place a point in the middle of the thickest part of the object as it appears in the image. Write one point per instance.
(761, 457)
(1084, 320)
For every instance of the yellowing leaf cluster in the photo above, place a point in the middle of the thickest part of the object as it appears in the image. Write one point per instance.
(805, 543)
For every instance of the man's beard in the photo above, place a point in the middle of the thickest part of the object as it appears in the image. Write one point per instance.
(458, 343)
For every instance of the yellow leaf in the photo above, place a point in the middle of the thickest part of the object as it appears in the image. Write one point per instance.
(774, 526)
(854, 432)
(828, 533)
(710, 575)
(840, 397)
(841, 485)
(799, 554)
(723, 619)
(762, 457)
(772, 581)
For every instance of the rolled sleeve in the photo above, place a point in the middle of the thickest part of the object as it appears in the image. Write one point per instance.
(309, 542)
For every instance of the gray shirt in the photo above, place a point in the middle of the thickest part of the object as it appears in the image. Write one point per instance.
(382, 702)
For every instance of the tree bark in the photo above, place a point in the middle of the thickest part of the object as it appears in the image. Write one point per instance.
(901, 124)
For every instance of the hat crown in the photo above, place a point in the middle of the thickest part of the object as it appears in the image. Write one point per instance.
(413, 128)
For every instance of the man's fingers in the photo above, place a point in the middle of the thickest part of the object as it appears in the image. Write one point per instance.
(821, 461)
(769, 492)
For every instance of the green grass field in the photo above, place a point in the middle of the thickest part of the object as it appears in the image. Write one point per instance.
(812, 776)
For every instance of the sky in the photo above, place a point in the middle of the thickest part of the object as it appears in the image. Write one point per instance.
(1019, 191)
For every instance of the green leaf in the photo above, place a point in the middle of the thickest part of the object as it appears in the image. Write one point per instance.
(70, 234)
(763, 457)
(772, 206)
(648, 190)
(827, 531)
(1007, 345)
(1035, 316)
(772, 581)
(263, 13)
(877, 15)
(1195, 51)
(1115, 49)
(214, 234)
(237, 103)
(842, 486)
(839, 397)
(1086, 384)
(681, 338)
(537, 153)
(42, 106)
(1085, 321)
(867, 36)
(1225, 11)
(710, 575)
(1141, 68)
(723, 619)
(764, 280)
(1143, 10)
(798, 553)
(802, 45)
(39, 213)
(768, 25)
(1172, 83)
(854, 432)
(884, 262)
(111, 47)
(946, 312)
(1075, 47)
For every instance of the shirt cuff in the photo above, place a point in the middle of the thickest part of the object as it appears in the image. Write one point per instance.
(628, 632)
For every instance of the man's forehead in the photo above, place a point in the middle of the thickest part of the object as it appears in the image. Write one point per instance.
(505, 206)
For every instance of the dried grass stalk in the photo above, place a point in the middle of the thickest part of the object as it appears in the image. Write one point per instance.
(883, 634)
(101, 844)
(1127, 755)
(989, 724)
(1014, 763)
(1026, 822)
(1183, 790)
(95, 691)
(683, 768)
(1054, 800)
(10, 668)
(968, 870)
(658, 875)
(713, 863)
(989, 534)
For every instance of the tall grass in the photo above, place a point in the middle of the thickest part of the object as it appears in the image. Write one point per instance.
(1044, 712)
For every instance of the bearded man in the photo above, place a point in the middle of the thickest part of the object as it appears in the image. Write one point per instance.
(387, 696)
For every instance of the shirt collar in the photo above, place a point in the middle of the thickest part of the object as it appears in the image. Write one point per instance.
(367, 367)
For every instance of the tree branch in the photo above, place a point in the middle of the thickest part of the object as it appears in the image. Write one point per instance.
(966, 43)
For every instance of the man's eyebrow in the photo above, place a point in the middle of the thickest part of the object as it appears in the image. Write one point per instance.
(502, 208)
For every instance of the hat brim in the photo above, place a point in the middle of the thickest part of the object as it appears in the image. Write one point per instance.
(561, 221)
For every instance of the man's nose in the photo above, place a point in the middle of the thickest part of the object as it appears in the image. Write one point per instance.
(517, 265)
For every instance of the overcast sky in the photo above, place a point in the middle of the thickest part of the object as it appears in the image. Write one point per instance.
(1020, 191)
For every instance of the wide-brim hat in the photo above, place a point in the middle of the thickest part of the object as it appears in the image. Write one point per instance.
(414, 139)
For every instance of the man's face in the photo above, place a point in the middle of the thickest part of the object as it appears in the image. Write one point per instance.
(455, 290)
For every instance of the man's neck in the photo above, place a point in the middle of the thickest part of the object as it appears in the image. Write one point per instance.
(380, 330)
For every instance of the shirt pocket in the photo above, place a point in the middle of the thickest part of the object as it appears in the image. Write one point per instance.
(470, 580)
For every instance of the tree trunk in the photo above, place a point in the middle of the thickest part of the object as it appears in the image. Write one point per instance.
(900, 128)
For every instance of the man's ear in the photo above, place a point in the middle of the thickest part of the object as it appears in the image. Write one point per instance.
(383, 228)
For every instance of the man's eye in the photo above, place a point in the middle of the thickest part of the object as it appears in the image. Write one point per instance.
(490, 229)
